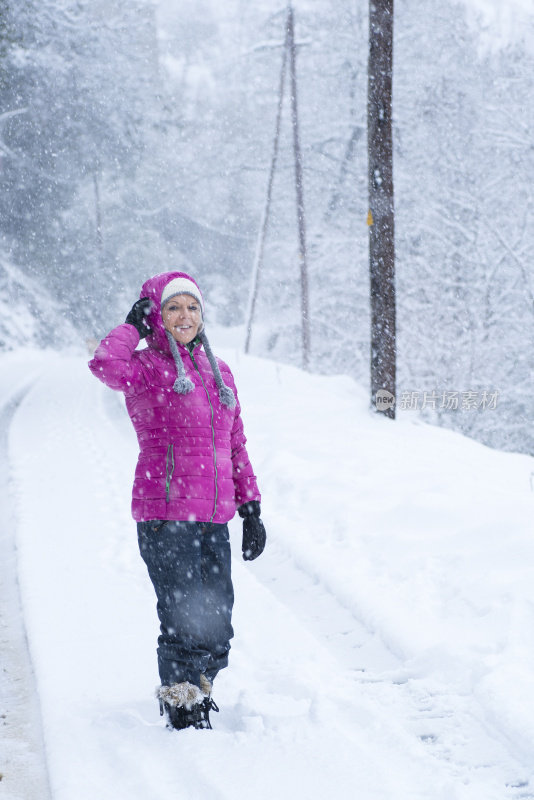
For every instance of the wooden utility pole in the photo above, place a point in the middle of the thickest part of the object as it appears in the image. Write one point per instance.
(260, 244)
(299, 191)
(289, 53)
(381, 207)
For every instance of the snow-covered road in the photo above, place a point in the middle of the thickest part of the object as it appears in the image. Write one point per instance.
(22, 762)
(383, 641)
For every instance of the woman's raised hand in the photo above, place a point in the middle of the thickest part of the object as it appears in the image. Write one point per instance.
(137, 316)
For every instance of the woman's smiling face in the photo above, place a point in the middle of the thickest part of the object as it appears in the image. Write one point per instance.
(182, 317)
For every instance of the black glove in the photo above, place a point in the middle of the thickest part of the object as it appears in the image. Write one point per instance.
(254, 535)
(137, 316)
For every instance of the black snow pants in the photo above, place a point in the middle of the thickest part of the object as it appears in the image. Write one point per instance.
(189, 566)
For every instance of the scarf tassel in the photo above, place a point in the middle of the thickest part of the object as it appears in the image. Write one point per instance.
(184, 385)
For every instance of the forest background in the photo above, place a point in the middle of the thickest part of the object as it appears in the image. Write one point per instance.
(136, 137)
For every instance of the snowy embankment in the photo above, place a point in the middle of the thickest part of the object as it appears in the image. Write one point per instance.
(384, 641)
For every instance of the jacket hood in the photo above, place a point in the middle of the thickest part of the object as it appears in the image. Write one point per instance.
(153, 289)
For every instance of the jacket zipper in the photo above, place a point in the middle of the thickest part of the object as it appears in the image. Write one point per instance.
(169, 473)
(212, 433)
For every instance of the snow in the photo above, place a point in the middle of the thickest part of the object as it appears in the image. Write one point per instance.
(384, 641)
(22, 762)
(498, 23)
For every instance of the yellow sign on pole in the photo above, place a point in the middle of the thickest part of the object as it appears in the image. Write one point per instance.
(370, 220)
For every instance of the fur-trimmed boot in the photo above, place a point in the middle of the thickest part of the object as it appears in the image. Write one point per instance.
(185, 705)
(205, 685)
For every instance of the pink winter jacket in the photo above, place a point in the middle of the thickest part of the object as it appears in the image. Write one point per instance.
(193, 464)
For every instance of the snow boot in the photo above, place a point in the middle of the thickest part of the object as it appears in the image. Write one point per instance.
(184, 706)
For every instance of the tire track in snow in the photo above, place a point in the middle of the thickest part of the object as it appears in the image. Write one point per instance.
(450, 726)
(23, 768)
(443, 719)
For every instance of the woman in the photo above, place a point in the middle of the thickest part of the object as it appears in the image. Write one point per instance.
(192, 473)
